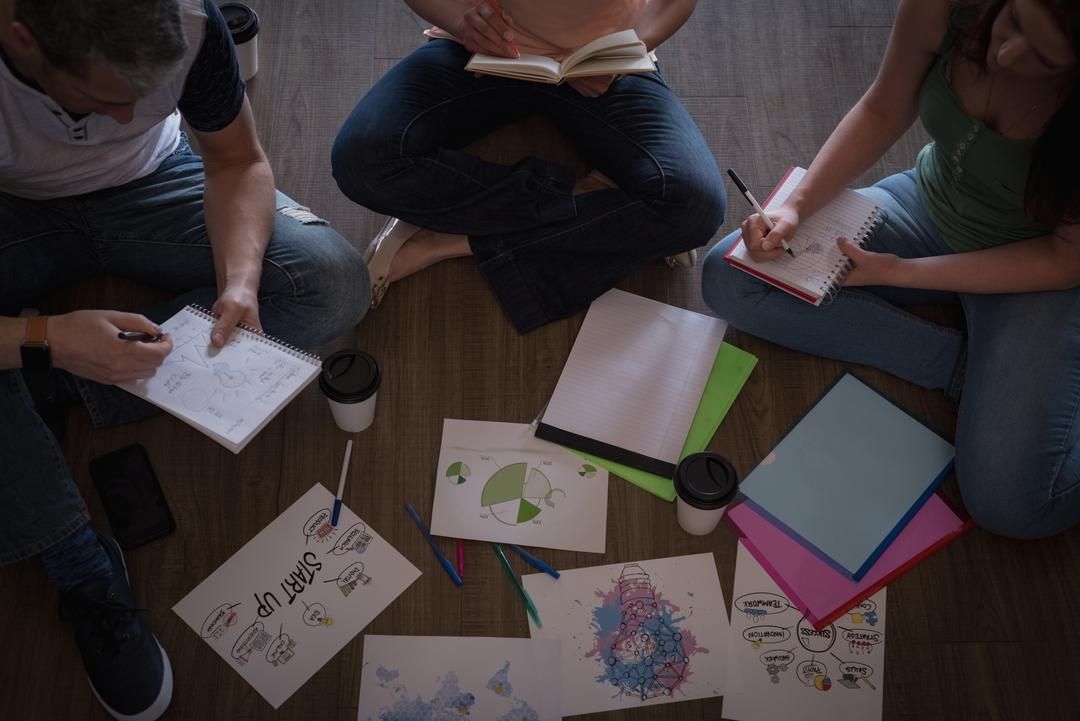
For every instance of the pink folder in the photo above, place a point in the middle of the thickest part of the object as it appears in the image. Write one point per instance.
(819, 591)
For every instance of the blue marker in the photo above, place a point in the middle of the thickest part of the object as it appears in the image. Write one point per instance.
(341, 485)
(534, 561)
(443, 560)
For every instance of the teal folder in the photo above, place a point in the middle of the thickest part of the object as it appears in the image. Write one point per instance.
(849, 476)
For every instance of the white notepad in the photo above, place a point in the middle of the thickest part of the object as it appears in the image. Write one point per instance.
(231, 393)
(633, 381)
(819, 267)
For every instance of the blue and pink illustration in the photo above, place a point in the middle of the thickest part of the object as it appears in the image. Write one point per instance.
(639, 638)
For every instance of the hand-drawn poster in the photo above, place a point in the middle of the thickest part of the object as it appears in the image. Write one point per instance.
(294, 595)
(433, 678)
(637, 634)
(789, 669)
(498, 482)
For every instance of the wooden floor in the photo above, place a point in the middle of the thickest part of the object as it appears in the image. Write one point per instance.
(984, 630)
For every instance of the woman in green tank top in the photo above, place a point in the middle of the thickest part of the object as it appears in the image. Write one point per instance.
(988, 216)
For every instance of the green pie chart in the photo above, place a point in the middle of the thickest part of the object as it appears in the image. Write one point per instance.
(514, 494)
(458, 473)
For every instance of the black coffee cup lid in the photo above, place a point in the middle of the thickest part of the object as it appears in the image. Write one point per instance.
(349, 376)
(706, 481)
(242, 21)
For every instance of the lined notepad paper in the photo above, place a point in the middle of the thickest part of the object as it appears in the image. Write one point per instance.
(633, 381)
(818, 266)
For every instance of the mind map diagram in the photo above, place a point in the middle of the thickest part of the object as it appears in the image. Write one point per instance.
(791, 648)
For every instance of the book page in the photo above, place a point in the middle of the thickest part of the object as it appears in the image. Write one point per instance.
(817, 258)
(621, 65)
(527, 66)
(635, 375)
(621, 42)
(228, 393)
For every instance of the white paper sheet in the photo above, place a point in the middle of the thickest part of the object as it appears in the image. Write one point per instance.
(498, 482)
(635, 375)
(790, 670)
(228, 393)
(291, 598)
(434, 678)
(637, 634)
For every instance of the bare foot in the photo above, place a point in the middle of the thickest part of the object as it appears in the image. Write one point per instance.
(593, 180)
(424, 249)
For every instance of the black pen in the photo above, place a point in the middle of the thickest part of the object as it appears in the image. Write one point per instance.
(760, 211)
(139, 336)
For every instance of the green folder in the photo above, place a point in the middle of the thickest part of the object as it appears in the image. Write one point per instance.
(729, 373)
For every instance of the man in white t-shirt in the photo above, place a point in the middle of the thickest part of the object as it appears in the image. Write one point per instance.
(96, 178)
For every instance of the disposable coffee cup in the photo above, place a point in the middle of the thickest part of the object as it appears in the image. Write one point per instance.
(350, 381)
(705, 483)
(244, 25)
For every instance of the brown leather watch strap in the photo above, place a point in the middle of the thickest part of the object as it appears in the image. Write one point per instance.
(35, 329)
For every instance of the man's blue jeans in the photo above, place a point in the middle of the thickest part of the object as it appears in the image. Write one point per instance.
(1017, 365)
(545, 252)
(314, 286)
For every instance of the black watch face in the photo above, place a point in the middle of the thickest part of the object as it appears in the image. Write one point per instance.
(36, 357)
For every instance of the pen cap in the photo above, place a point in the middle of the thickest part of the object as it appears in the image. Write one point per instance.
(706, 481)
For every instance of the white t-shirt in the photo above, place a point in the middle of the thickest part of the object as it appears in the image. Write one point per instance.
(45, 154)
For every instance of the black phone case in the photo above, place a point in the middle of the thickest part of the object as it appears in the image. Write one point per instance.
(134, 502)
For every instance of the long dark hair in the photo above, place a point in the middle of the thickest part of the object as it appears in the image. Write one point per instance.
(1052, 194)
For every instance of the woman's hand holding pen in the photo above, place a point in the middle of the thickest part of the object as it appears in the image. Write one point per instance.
(486, 29)
(763, 244)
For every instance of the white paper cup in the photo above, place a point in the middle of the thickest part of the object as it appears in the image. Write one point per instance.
(705, 483)
(353, 417)
(350, 381)
(696, 521)
(244, 26)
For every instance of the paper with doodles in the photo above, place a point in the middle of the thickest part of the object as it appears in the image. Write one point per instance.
(789, 669)
(294, 595)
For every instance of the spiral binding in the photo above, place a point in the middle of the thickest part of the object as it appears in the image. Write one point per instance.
(261, 337)
(843, 267)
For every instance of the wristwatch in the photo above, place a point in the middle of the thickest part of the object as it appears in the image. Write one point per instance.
(37, 358)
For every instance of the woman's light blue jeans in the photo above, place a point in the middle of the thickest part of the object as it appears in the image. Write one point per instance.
(1017, 365)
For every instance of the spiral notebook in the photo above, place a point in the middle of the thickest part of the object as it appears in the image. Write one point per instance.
(228, 393)
(818, 267)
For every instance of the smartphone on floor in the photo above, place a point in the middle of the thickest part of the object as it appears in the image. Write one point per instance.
(132, 497)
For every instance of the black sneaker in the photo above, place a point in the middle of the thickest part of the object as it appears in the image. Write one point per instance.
(127, 667)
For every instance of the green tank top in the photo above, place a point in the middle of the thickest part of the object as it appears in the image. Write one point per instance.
(971, 179)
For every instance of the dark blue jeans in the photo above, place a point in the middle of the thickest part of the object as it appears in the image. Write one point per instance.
(314, 286)
(545, 252)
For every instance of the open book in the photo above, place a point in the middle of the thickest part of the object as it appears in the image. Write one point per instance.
(819, 267)
(620, 53)
(227, 393)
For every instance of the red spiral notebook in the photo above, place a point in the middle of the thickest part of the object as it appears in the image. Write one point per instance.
(818, 267)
